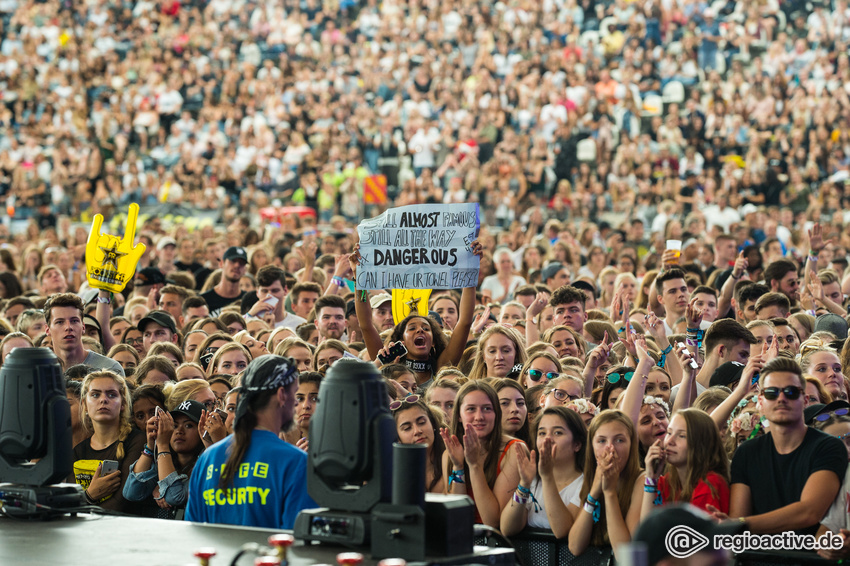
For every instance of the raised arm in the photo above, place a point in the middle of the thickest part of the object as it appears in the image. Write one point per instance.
(727, 292)
(721, 414)
(364, 311)
(633, 397)
(457, 344)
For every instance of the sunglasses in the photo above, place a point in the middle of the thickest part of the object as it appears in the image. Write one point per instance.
(836, 413)
(410, 400)
(791, 393)
(537, 375)
(562, 395)
(615, 377)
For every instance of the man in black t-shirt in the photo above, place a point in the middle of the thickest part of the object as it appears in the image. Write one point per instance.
(227, 291)
(787, 479)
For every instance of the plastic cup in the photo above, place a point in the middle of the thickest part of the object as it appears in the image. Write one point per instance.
(676, 246)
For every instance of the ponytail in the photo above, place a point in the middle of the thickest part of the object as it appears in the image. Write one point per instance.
(242, 430)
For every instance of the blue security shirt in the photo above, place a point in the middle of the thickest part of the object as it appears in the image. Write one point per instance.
(269, 490)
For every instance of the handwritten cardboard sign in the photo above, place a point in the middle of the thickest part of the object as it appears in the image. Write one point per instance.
(426, 246)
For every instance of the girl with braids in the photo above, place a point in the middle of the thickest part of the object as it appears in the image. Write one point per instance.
(479, 461)
(688, 465)
(105, 412)
(428, 348)
(253, 478)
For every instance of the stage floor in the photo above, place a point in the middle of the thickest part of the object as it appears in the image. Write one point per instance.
(92, 540)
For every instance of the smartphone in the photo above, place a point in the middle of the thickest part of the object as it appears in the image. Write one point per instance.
(693, 362)
(157, 411)
(206, 359)
(397, 350)
(755, 379)
(108, 466)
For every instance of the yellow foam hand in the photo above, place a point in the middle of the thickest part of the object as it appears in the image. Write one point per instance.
(110, 260)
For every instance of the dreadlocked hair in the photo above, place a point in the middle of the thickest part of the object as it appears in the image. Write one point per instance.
(242, 430)
(125, 426)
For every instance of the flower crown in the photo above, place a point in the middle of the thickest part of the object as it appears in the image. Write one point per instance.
(650, 400)
(747, 422)
(583, 406)
(740, 406)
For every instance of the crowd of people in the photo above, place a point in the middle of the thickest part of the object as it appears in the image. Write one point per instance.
(662, 299)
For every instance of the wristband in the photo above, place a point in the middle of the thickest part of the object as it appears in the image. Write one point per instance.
(693, 330)
(649, 482)
(104, 300)
(589, 508)
(663, 359)
(89, 497)
(650, 489)
(814, 255)
(520, 499)
(456, 477)
(692, 341)
(337, 280)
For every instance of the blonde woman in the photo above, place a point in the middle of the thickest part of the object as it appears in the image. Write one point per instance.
(105, 412)
(298, 350)
(499, 349)
(232, 358)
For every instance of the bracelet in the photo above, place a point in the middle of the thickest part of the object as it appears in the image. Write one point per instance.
(456, 477)
(519, 499)
(589, 508)
(650, 489)
(147, 451)
(523, 490)
(814, 255)
(732, 275)
(338, 280)
(597, 512)
(104, 300)
(162, 453)
(663, 359)
(89, 497)
(648, 481)
(693, 330)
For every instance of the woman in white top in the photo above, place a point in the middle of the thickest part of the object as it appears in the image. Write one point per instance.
(501, 286)
(549, 481)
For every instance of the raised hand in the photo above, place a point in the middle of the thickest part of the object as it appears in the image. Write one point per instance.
(110, 260)
(473, 449)
(693, 314)
(526, 464)
(480, 320)
(164, 431)
(546, 467)
(538, 305)
(599, 354)
(454, 448)
(816, 242)
(655, 460)
(342, 266)
(740, 267)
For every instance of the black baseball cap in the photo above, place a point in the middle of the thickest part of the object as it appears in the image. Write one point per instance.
(812, 411)
(149, 276)
(682, 529)
(162, 318)
(551, 270)
(726, 374)
(236, 253)
(350, 310)
(190, 408)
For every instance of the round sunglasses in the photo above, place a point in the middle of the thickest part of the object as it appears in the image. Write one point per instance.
(826, 416)
(615, 377)
(410, 400)
(537, 375)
